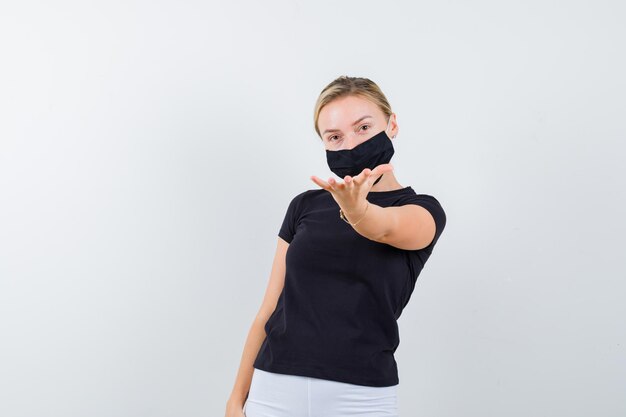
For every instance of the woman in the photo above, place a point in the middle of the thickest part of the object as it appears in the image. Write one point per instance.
(346, 263)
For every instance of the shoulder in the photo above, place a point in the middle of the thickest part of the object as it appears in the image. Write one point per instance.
(411, 196)
(422, 198)
(307, 195)
(305, 198)
(429, 202)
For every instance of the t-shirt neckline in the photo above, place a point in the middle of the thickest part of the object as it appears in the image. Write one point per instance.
(389, 192)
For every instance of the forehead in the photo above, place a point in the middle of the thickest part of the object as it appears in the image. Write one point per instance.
(342, 112)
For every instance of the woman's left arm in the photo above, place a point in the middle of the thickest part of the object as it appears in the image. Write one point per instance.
(408, 227)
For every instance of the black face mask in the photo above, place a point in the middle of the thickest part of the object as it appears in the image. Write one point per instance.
(375, 151)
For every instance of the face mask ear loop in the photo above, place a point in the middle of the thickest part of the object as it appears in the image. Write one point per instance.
(381, 176)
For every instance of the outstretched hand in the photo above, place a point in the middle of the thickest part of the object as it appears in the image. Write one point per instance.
(351, 194)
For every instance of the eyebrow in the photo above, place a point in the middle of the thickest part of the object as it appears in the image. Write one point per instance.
(337, 130)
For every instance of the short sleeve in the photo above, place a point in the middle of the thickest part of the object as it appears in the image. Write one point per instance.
(288, 228)
(433, 206)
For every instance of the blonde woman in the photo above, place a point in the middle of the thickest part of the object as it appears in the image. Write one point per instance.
(347, 260)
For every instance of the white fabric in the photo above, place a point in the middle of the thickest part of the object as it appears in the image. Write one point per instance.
(280, 395)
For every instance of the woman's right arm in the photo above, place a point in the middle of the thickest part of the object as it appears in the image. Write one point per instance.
(257, 335)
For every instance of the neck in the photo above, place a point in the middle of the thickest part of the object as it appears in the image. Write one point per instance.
(388, 182)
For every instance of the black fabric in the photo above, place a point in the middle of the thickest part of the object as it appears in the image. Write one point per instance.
(336, 317)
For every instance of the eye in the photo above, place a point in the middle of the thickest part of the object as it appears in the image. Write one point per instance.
(330, 138)
(365, 126)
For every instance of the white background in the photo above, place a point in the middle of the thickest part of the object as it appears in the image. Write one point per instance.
(148, 151)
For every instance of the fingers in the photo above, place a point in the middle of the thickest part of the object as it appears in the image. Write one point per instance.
(367, 176)
(380, 170)
(323, 184)
(336, 185)
(362, 177)
(330, 185)
(349, 182)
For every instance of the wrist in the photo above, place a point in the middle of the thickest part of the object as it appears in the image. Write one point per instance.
(356, 214)
(236, 401)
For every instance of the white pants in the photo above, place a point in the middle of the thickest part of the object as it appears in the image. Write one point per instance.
(280, 395)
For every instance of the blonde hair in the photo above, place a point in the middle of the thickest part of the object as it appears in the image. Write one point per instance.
(350, 86)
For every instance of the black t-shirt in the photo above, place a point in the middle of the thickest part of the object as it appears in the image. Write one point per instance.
(336, 317)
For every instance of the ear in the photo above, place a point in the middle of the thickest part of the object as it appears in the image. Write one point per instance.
(394, 125)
